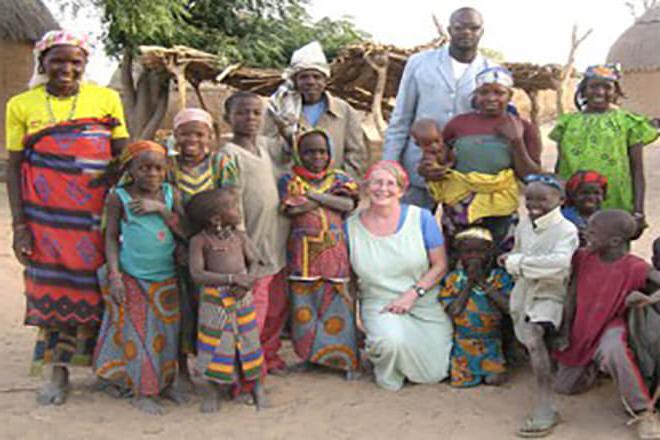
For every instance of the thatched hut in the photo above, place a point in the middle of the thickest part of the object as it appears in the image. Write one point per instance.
(637, 51)
(22, 22)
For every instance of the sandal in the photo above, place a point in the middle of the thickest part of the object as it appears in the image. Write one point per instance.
(648, 427)
(536, 428)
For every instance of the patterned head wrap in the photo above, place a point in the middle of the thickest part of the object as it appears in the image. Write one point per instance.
(495, 75)
(546, 179)
(394, 168)
(52, 39)
(298, 167)
(608, 72)
(583, 177)
(138, 147)
(193, 115)
(475, 232)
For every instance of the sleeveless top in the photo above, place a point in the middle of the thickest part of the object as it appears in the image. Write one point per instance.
(387, 266)
(147, 243)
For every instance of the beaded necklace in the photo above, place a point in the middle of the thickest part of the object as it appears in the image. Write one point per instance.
(51, 113)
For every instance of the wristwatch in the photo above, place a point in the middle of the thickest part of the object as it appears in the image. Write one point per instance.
(419, 290)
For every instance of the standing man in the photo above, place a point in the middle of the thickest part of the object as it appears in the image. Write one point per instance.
(436, 84)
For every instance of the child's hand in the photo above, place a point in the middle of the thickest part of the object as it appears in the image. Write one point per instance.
(146, 206)
(511, 128)
(244, 280)
(432, 171)
(117, 289)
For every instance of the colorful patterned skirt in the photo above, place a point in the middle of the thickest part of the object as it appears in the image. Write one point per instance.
(189, 301)
(475, 359)
(323, 325)
(138, 341)
(228, 348)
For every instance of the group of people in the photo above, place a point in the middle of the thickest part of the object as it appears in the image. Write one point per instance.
(138, 260)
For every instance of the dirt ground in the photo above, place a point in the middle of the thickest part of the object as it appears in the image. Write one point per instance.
(312, 405)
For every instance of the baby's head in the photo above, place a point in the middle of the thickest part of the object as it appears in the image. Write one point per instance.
(543, 193)
(313, 150)
(476, 249)
(427, 136)
(215, 208)
(610, 228)
(656, 253)
(586, 190)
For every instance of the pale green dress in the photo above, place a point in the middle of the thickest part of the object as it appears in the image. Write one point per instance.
(415, 346)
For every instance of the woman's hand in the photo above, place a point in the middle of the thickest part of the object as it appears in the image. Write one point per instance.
(511, 128)
(117, 289)
(22, 243)
(403, 304)
(147, 206)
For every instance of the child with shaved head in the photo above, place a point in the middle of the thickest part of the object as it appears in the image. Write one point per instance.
(605, 275)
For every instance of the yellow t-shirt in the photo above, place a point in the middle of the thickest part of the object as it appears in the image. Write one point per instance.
(28, 112)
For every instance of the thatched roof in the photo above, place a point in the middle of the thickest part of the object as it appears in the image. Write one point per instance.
(25, 20)
(637, 48)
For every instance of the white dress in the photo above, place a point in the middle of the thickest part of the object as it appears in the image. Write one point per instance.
(415, 346)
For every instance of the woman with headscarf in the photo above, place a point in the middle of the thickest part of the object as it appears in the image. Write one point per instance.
(493, 149)
(605, 138)
(61, 135)
(316, 197)
(302, 102)
(398, 255)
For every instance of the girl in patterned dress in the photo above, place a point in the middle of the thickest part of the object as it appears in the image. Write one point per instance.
(316, 197)
(607, 139)
(193, 169)
(137, 350)
(476, 296)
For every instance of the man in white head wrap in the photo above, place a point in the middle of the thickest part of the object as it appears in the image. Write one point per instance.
(302, 102)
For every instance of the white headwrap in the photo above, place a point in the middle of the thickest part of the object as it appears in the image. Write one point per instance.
(286, 103)
(51, 39)
(495, 75)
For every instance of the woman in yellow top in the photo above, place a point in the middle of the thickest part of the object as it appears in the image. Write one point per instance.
(61, 135)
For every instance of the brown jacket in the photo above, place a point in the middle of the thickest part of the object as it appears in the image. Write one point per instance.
(344, 126)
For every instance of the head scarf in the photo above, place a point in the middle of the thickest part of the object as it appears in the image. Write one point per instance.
(607, 72)
(138, 147)
(583, 177)
(193, 115)
(495, 75)
(475, 232)
(546, 179)
(52, 39)
(298, 167)
(286, 103)
(394, 168)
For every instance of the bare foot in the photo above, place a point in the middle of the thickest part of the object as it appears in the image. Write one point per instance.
(210, 399)
(497, 379)
(148, 405)
(259, 395)
(55, 391)
(174, 394)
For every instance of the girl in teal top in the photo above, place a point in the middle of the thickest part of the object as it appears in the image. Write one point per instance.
(607, 139)
(137, 350)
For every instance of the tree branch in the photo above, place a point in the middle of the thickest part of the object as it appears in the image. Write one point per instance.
(576, 41)
(160, 110)
(128, 86)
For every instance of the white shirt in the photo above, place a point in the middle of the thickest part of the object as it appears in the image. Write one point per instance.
(458, 68)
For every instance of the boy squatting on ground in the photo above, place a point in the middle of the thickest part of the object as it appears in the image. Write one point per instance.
(540, 262)
(606, 281)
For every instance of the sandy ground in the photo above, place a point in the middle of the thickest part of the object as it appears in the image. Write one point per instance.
(313, 405)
